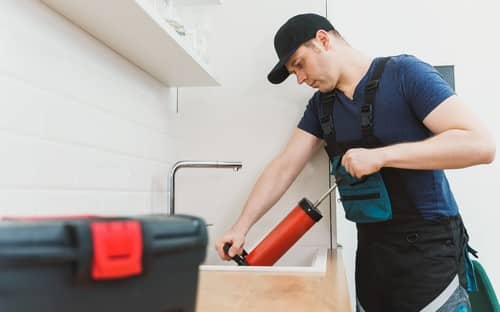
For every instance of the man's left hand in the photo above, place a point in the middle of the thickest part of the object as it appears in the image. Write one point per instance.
(360, 162)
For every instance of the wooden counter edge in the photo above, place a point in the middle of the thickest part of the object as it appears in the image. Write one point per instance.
(268, 291)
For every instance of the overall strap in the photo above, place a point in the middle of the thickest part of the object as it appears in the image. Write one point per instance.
(325, 109)
(325, 116)
(327, 100)
(370, 91)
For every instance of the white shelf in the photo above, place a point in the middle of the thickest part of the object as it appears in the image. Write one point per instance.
(135, 30)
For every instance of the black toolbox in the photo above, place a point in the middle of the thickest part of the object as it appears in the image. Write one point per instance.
(145, 263)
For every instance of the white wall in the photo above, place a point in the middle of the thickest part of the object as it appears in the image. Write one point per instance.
(460, 33)
(81, 129)
(247, 119)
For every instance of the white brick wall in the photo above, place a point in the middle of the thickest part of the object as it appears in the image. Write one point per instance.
(81, 129)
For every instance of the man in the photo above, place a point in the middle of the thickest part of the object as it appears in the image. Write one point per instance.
(391, 125)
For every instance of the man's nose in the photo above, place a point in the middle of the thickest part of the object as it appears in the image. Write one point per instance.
(300, 78)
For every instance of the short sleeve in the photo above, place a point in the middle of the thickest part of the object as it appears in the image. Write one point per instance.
(423, 86)
(310, 120)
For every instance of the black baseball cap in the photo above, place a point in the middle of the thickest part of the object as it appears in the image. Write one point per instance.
(296, 31)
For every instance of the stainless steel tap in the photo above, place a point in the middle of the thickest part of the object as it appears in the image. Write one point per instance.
(235, 165)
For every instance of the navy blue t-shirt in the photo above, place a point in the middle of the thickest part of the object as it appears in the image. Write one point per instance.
(408, 91)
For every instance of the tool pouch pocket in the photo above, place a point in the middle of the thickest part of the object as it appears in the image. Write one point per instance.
(365, 200)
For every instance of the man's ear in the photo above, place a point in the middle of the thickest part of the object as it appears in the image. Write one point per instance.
(323, 38)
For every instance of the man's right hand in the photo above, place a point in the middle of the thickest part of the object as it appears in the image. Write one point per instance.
(233, 237)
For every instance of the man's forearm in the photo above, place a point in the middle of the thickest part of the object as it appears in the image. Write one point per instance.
(448, 150)
(277, 177)
(269, 188)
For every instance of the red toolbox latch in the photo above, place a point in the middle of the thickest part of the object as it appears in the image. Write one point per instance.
(117, 249)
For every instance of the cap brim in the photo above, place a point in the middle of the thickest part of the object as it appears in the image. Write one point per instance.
(279, 73)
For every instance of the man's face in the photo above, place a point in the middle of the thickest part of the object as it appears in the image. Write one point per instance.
(310, 65)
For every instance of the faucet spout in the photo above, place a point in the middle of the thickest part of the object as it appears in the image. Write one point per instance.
(235, 165)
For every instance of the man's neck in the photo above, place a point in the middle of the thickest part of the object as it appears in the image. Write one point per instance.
(355, 69)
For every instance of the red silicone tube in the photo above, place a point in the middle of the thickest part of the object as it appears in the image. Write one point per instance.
(284, 235)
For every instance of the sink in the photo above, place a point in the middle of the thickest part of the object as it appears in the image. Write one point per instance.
(299, 259)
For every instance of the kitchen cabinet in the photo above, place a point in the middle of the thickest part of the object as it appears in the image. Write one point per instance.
(136, 30)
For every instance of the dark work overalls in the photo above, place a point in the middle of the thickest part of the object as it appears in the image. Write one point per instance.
(403, 262)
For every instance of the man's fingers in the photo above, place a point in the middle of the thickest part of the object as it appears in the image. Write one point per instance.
(344, 160)
(348, 167)
(235, 240)
(220, 249)
(236, 249)
(233, 251)
(347, 162)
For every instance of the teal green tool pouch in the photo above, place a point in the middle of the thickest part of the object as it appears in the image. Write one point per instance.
(365, 200)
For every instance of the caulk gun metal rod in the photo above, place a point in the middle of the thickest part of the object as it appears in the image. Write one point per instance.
(322, 198)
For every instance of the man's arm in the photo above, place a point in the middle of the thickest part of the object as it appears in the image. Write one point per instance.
(271, 185)
(460, 140)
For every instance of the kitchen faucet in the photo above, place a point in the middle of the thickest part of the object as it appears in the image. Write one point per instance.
(236, 165)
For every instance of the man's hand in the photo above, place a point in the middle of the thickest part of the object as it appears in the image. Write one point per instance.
(360, 162)
(236, 239)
